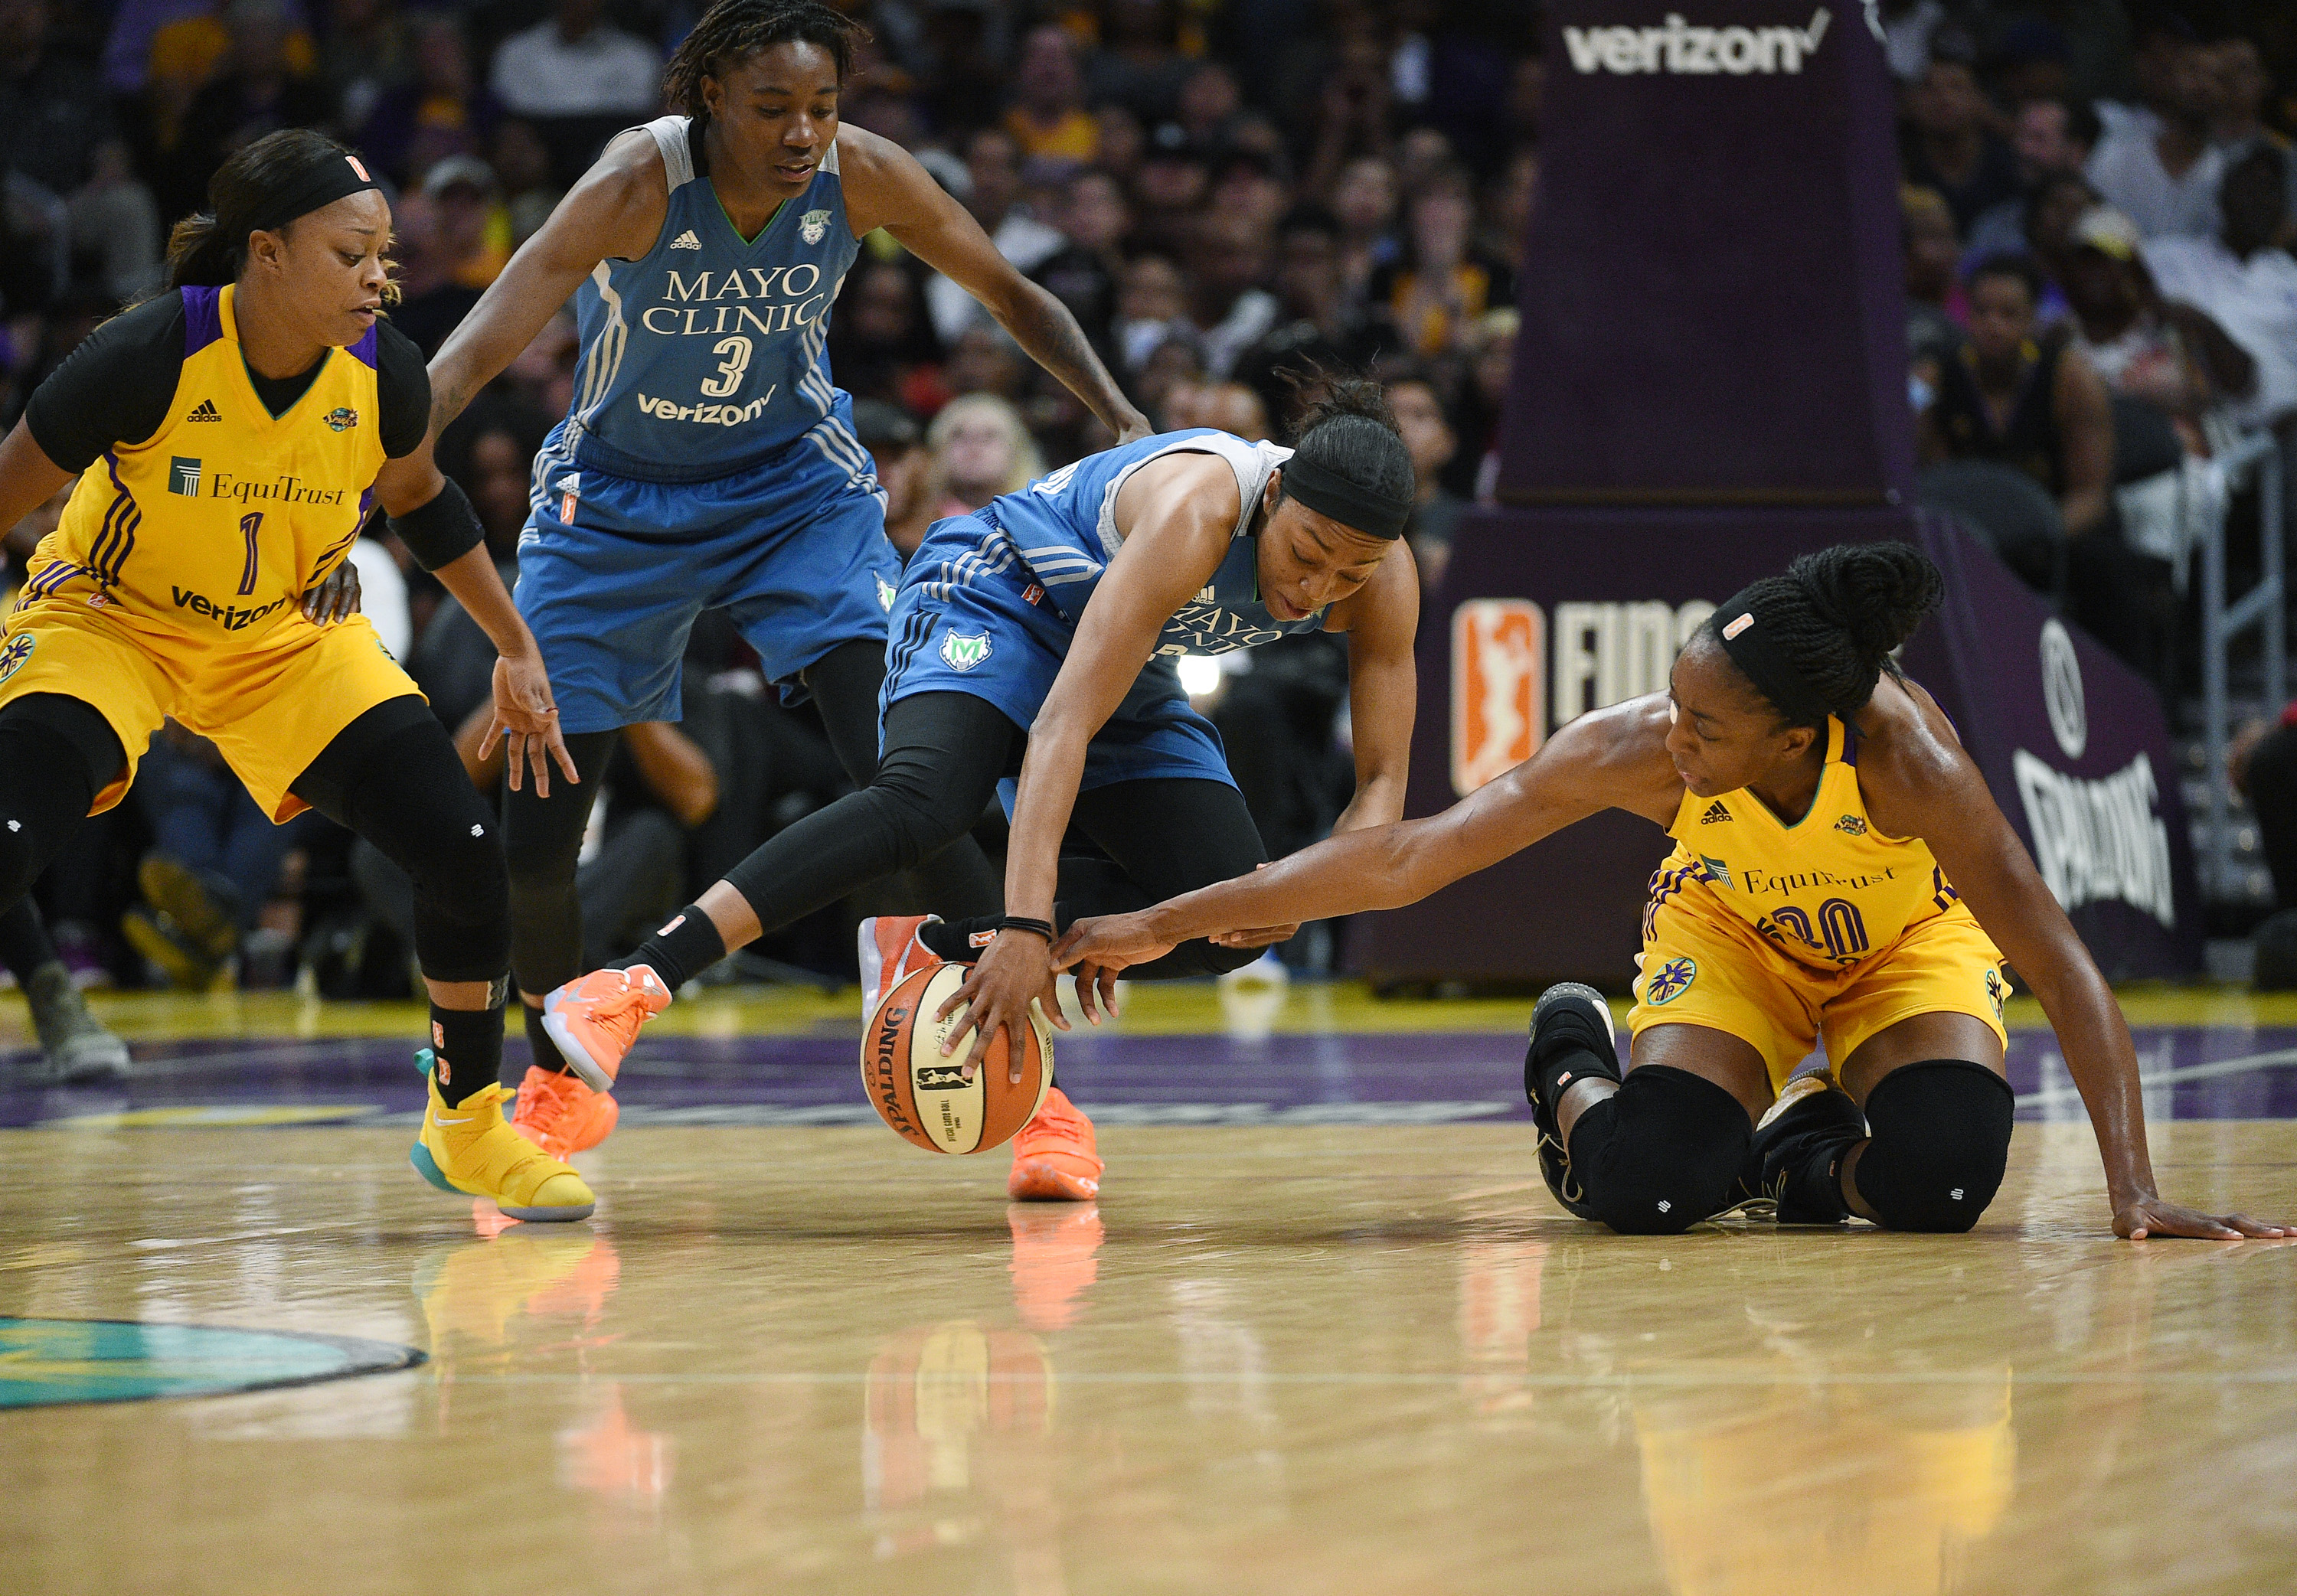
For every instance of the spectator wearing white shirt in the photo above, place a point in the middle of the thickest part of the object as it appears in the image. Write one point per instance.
(2161, 170)
(576, 64)
(2242, 280)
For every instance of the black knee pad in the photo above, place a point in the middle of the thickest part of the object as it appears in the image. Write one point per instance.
(1940, 1136)
(1660, 1154)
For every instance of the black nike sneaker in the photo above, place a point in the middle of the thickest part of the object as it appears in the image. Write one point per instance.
(1566, 1017)
(1796, 1158)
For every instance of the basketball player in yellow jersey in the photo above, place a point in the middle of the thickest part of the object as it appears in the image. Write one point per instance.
(228, 436)
(1840, 874)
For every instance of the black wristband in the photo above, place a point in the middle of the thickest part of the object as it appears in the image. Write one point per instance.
(442, 531)
(1043, 929)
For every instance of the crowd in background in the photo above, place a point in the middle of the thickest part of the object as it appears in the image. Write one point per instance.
(1225, 192)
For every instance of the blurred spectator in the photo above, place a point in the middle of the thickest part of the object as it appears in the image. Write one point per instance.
(1084, 274)
(1138, 64)
(1319, 326)
(1229, 407)
(214, 860)
(1935, 309)
(978, 449)
(1908, 26)
(367, 49)
(435, 110)
(1427, 435)
(2050, 138)
(1950, 147)
(1121, 140)
(2171, 356)
(1049, 120)
(1227, 260)
(437, 242)
(1364, 200)
(260, 90)
(986, 360)
(578, 79)
(1208, 106)
(993, 167)
(2244, 280)
(56, 132)
(1169, 185)
(1507, 209)
(2036, 406)
(521, 165)
(2159, 169)
(471, 215)
(1246, 185)
(1151, 308)
(898, 454)
(1490, 351)
(2243, 88)
(881, 341)
(1441, 285)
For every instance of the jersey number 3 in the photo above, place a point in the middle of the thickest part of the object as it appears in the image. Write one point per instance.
(249, 526)
(736, 352)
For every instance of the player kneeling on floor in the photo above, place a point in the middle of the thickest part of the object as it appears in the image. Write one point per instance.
(1788, 750)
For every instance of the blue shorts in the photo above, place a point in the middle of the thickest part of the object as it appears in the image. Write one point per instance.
(991, 633)
(611, 572)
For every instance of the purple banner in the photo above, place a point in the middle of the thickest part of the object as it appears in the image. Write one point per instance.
(1711, 303)
(1549, 613)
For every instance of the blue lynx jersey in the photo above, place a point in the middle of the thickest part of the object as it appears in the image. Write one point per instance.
(991, 603)
(1062, 529)
(705, 357)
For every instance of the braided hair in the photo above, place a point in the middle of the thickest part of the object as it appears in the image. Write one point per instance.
(732, 31)
(1837, 615)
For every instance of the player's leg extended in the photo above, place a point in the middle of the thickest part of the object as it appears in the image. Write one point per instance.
(393, 776)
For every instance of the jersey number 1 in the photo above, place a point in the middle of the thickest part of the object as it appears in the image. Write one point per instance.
(249, 526)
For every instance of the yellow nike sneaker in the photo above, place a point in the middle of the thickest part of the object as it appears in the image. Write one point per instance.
(471, 1149)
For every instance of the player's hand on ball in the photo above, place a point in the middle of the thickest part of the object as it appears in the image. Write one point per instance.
(1013, 972)
(525, 713)
(1112, 942)
(2153, 1216)
(335, 599)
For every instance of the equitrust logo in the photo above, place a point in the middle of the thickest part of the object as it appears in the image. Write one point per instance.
(1680, 49)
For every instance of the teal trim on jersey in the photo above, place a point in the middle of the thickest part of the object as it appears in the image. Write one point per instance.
(45, 1362)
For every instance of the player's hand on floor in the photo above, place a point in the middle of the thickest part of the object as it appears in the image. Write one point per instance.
(2153, 1216)
(1013, 972)
(525, 713)
(335, 599)
(1111, 942)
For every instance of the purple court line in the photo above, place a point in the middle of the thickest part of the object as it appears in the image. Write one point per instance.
(1345, 1078)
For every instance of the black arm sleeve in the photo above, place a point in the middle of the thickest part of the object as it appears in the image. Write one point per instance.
(115, 388)
(403, 391)
(442, 531)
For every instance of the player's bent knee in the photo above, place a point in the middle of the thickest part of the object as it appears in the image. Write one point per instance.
(920, 824)
(1940, 1140)
(1662, 1153)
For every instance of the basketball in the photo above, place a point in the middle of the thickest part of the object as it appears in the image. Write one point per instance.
(925, 1096)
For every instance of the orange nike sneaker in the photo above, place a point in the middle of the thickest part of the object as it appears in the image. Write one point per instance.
(595, 1020)
(1053, 1155)
(560, 1115)
(890, 950)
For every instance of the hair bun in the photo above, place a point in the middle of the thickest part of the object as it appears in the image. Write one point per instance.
(1877, 593)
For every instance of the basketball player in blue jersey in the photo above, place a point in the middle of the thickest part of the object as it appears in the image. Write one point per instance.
(707, 459)
(1036, 639)
(1840, 876)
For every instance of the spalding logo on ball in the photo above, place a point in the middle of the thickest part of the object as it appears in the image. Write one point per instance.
(924, 1095)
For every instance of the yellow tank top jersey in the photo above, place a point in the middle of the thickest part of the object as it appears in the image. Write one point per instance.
(1829, 891)
(211, 528)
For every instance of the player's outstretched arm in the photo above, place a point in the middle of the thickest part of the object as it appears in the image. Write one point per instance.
(885, 187)
(617, 210)
(1613, 759)
(1918, 782)
(29, 479)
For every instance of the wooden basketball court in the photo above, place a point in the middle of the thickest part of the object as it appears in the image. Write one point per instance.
(1303, 1345)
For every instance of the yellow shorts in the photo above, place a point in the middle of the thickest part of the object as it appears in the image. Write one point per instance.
(269, 705)
(1710, 968)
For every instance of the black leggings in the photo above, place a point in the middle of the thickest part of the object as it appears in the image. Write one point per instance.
(543, 836)
(944, 754)
(391, 776)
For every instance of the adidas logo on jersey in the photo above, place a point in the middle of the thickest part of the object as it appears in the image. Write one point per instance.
(1717, 810)
(206, 412)
(686, 241)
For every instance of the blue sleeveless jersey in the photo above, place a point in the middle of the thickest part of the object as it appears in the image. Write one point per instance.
(705, 358)
(1062, 530)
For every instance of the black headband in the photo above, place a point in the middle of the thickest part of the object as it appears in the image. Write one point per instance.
(324, 182)
(1351, 504)
(1751, 648)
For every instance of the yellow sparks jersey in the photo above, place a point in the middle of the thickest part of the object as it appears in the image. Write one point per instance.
(1829, 891)
(209, 528)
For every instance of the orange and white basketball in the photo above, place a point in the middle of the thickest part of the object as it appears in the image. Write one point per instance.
(925, 1096)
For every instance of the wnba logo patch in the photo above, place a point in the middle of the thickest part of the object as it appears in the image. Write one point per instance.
(13, 657)
(1499, 689)
(963, 654)
(341, 419)
(1673, 979)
